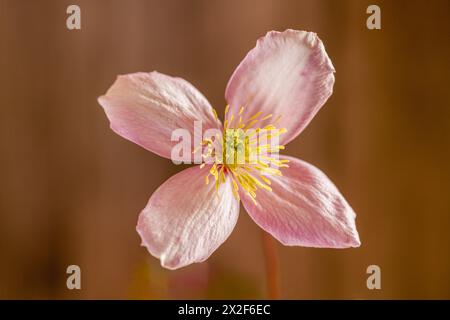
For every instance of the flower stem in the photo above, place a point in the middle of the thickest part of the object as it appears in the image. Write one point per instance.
(270, 255)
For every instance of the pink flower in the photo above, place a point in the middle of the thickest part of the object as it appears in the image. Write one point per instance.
(281, 83)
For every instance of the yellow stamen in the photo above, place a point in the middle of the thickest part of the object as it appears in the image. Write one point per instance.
(245, 159)
(231, 120)
(256, 115)
(251, 124)
(215, 114)
(265, 179)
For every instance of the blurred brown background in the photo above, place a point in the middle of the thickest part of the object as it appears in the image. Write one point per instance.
(71, 190)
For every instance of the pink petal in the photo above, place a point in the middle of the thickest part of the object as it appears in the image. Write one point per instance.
(287, 74)
(305, 209)
(147, 107)
(186, 220)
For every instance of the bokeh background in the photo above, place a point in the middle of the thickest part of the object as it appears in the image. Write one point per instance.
(71, 190)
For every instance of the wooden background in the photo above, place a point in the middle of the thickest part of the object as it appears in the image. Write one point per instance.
(71, 190)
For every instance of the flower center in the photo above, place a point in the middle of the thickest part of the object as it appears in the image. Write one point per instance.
(247, 152)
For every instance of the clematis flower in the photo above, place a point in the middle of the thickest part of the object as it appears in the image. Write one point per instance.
(280, 85)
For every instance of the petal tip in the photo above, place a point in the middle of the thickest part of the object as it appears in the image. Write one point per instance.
(102, 100)
(169, 265)
(355, 242)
